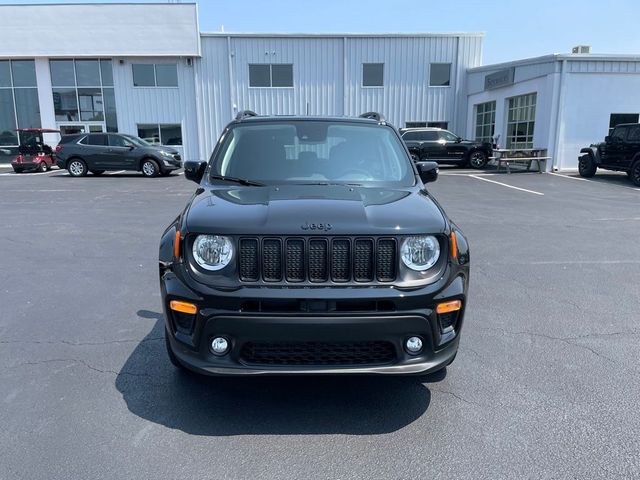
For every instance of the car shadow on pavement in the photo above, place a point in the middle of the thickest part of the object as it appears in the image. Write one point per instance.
(218, 406)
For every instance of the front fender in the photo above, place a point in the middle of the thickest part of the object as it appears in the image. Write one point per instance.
(593, 151)
(167, 244)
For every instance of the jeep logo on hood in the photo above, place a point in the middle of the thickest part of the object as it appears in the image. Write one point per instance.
(316, 226)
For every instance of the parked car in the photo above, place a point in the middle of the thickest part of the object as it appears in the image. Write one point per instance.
(33, 154)
(312, 246)
(444, 147)
(620, 151)
(98, 152)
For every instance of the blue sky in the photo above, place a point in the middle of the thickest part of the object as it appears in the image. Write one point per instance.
(513, 29)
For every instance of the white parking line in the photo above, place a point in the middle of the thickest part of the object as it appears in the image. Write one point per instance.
(594, 181)
(506, 185)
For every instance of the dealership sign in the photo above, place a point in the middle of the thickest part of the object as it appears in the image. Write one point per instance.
(499, 79)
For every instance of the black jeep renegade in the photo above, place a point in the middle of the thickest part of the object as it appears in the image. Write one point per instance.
(312, 246)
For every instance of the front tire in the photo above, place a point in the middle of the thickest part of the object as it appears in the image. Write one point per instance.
(42, 167)
(17, 170)
(634, 173)
(77, 167)
(150, 168)
(587, 166)
(477, 159)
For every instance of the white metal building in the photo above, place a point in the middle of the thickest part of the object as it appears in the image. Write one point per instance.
(558, 102)
(145, 69)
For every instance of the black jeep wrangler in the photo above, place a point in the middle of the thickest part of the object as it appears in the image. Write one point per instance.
(620, 151)
(311, 246)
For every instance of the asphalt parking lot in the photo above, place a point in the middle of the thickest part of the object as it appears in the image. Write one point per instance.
(546, 383)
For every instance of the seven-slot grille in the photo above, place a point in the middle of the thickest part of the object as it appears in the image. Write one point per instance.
(317, 259)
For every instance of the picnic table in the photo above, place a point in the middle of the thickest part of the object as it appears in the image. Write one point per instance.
(526, 156)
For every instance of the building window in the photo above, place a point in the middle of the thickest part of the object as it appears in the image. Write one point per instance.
(485, 121)
(440, 75)
(270, 75)
(443, 125)
(521, 121)
(161, 134)
(19, 106)
(618, 118)
(415, 124)
(373, 74)
(155, 75)
(83, 91)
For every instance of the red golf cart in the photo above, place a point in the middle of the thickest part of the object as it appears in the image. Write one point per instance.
(34, 154)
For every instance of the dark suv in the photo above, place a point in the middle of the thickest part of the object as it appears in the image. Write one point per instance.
(444, 147)
(620, 151)
(312, 246)
(97, 152)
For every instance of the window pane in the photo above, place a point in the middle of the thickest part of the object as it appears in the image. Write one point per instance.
(7, 118)
(5, 74)
(27, 107)
(91, 106)
(65, 104)
(440, 75)
(171, 134)
(110, 116)
(62, 73)
(282, 75)
(373, 74)
(143, 75)
(150, 133)
(618, 118)
(119, 141)
(88, 73)
(259, 76)
(167, 75)
(107, 73)
(24, 73)
(100, 140)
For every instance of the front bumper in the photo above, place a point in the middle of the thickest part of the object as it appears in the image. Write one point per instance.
(169, 165)
(322, 316)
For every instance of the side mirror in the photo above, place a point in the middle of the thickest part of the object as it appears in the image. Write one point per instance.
(428, 171)
(194, 170)
(458, 139)
(607, 139)
(131, 147)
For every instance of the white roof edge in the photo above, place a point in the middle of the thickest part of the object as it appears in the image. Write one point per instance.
(56, 4)
(554, 57)
(340, 35)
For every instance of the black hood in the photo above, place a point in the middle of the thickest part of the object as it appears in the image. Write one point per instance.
(296, 209)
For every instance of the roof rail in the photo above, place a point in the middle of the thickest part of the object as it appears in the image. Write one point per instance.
(373, 116)
(245, 113)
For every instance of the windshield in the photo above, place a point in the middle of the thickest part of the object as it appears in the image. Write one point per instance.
(137, 141)
(314, 152)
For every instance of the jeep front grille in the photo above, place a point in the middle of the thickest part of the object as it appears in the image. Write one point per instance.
(317, 259)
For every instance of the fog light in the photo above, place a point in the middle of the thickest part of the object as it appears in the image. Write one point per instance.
(413, 345)
(219, 345)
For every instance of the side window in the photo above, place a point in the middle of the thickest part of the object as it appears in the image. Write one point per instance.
(634, 134)
(429, 136)
(97, 139)
(619, 133)
(82, 141)
(411, 136)
(448, 136)
(118, 141)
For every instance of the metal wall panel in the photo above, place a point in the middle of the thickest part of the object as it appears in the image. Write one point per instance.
(327, 77)
(157, 104)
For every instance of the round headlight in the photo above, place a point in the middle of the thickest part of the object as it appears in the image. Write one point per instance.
(421, 252)
(212, 252)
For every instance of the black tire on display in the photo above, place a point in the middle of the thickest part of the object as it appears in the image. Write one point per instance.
(42, 167)
(587, 166)
(478, 159)
(634, 173)
(150, 168)
(77, 167)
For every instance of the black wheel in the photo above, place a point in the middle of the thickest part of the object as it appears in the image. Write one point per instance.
(77, 167)
(172, 356)
(586, 166)
(17, 170)
(478, 159)
(634, 173)
(97, 172)
(150, 168)
(42, 167)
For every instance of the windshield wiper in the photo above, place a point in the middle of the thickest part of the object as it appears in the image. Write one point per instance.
(241, 181)
(348, 184)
